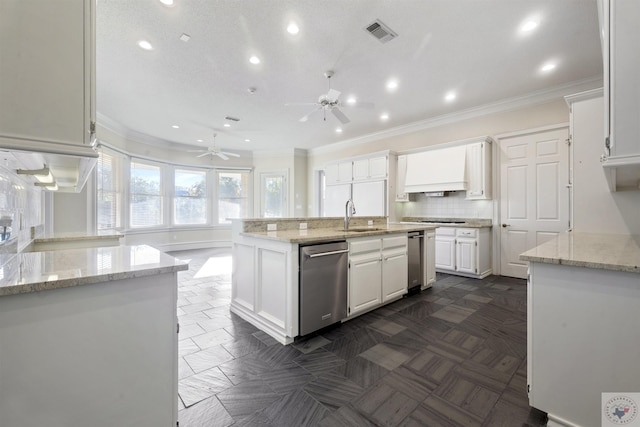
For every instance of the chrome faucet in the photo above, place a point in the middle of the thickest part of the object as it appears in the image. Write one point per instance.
(348, 213)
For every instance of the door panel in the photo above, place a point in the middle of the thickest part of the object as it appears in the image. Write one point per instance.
(534, 172)
(335, 198)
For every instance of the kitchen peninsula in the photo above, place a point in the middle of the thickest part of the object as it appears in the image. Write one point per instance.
(89, 337)
(266, 263)
(583, 296)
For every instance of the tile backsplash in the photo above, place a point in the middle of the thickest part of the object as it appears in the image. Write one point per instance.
(20, 206)
(453, 205)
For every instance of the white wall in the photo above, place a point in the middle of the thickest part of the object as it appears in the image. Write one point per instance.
(596, 209)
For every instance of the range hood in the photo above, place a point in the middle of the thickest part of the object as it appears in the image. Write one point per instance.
(437, 170)
(69, 164)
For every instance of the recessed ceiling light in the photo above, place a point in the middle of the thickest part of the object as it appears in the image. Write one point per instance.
(175, 126)
(392, 85)
(548, 67)
(293, 28)
(247, 140)
(167, 2)
(199, 140)
(384, 116)
(145, 45)
(351, 100)
(450, 96)
(338, 130)
(227, 125)
(529, 26)
(254, 60)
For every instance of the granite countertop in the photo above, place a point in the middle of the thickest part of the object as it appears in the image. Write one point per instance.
(40, 271)
(75, 236)
(604, 251)
(450, 222)
(318, 235)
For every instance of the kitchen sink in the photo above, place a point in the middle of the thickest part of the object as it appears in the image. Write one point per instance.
(359, 229)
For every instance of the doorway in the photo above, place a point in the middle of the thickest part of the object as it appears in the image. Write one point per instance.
(534, 193)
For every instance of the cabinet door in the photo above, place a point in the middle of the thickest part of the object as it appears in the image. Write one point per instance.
(446, 253)
(361, 169)
(369, 198)
(430, 258)
(401, 172)
(466, 255)
(394, 273)
(345, 171)
(478, 168)
(46, 71)
(378, 167)
(332, 174)
(364, 282)
(335, 198)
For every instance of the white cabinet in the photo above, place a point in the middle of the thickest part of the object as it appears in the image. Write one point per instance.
(369, 198)
(341, 172)
(394, 267)
(464, 251)
(401, 195)
(620, 34)
(370, 168)
(47, 70)
(430, 259)
(478, 166)
(377, 271)
(335, 199)
(445, 249)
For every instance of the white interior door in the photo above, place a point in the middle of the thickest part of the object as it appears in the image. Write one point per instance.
(534, 197)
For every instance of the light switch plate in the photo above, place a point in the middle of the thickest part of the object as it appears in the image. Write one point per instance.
(370, 222)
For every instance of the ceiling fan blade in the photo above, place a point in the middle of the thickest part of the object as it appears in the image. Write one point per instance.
(306, 117)
(196, 151)
(230, 154)
(333, 94)
(340, 115)
(222, 155)
(204, 154)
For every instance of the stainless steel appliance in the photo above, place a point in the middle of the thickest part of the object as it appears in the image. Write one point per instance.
(323, 285)
(416, 257)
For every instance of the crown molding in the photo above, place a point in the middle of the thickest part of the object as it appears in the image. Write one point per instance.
(583, 96)
(286, 152)
(510, 104)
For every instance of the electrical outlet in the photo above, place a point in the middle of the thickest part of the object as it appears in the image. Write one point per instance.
(370, 222)
(303, 226)
(272, 227)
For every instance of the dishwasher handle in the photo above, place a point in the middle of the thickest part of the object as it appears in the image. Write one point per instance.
(417, 236)
(328, 253)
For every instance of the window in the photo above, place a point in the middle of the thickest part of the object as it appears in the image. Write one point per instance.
(273, 195)
(109, 191)
(145, 196)
(190, 197)
(233, 195)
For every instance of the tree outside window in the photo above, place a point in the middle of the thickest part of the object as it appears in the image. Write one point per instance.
(190, 198)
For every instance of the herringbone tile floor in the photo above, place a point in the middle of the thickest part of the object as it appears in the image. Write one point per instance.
(453, 355)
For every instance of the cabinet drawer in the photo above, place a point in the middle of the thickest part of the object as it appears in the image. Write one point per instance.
(394, 242)
(445, 231)
(362, 246)
(466, 232)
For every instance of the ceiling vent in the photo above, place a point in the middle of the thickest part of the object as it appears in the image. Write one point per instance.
(234, 119)
(380, 31)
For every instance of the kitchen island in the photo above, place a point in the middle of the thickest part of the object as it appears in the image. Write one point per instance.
(265, 280)
(89, 337)
(583, 324)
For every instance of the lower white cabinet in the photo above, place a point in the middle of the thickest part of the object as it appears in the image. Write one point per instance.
(464, 251)
(378, 269)
(430, 259)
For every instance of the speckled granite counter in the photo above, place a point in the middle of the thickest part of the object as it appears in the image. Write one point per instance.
(62, 237)
(317, 235)
(450, 222)
(602, 251)
(39, 271)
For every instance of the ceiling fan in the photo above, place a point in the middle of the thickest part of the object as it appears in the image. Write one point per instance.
(213, 151)
(330, 102)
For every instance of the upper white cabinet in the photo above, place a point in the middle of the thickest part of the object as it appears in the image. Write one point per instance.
(478, 167)
(47, 68)
(401, 195)
(370, 168)
(620, 34)
(339, 173)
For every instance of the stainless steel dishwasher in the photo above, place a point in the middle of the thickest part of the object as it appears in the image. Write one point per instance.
(323, 285)
(416, 256)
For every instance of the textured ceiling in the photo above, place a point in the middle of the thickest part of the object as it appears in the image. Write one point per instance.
(470, 46)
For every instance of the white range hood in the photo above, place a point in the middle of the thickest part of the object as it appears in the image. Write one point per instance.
(437, 170)
(69, 164)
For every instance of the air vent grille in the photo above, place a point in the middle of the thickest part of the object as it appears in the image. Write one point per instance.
(380, 31)
(232, 119)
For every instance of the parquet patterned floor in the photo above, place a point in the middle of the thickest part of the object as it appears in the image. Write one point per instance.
(453, 355)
